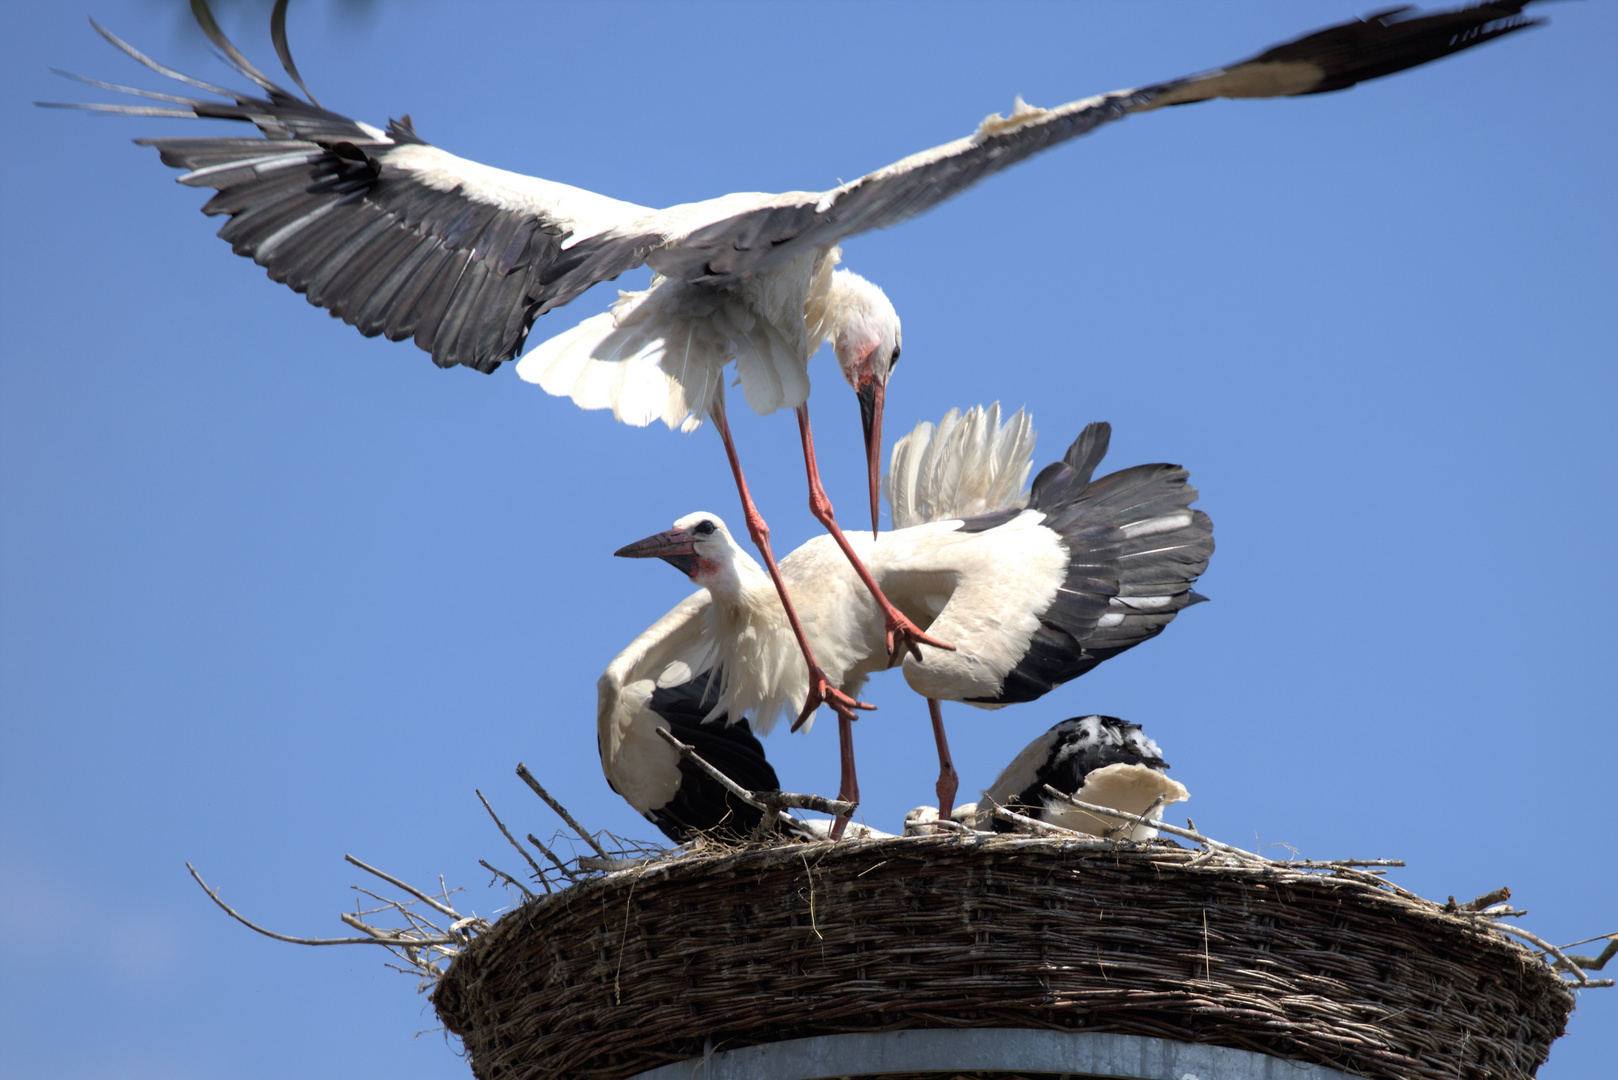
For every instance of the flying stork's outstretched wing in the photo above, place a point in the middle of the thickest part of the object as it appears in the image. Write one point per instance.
(1331, 59)
(389, 234)
(397, 237)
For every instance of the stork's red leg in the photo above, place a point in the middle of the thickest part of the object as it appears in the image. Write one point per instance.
(849, 789)
(820, 687)
(902, 634)
(949, 782)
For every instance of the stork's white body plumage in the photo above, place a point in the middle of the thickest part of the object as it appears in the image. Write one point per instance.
(1030, 596)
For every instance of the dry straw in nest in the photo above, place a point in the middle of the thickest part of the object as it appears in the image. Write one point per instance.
(639, 968)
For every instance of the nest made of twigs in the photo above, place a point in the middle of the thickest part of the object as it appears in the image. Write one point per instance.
(639, 968)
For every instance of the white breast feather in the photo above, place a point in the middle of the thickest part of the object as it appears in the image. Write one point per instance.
(660, 354)
(765, 675)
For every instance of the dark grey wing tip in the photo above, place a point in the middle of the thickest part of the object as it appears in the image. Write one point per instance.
(1395, 40)
(141, 58)
(204, 16)
(278, 35)
(1089, 449)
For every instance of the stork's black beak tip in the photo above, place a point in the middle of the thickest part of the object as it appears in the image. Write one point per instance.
(675, 547)
(658, 545)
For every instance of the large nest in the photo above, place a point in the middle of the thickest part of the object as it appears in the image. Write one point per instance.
(728, 948)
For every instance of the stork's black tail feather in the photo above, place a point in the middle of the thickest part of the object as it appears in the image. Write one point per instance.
(1135, 547)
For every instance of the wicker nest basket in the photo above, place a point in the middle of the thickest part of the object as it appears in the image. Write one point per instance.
(644, 967)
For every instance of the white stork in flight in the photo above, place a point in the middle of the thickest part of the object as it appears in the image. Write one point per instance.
(1032, 594)
(397, 237)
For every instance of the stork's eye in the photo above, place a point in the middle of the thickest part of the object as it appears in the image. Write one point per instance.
(703, 528)
(895, 361)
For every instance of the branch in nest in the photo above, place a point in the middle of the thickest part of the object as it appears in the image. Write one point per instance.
(509, 880)
(1161, 826)
(561, 811)
(374, 936)
(590, 862)
(1113, 833)
(771, 802)
(540, 874)
(551, 855)
(1039, 826)
(1596, 963)
(1564, 962)
(442, 909)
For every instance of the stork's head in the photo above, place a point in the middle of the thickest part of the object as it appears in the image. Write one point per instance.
(864, 332)
(700, 547)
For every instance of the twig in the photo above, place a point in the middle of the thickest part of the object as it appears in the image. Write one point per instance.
(1517, 931)
(1172, 830)
(442, 909)
(1596, 963)
(590, 862)
(1586, 941)
(521, 850)
(359, 925)
(528, 778)
(373, 940)
(1041, 826)
(509, 879)
(551, 855)
(767, 801)
(1147, 813)
(1488, 899)
(416, 921)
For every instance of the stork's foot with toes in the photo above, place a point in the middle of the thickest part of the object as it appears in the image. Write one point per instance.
(902, 635)
(821, 691)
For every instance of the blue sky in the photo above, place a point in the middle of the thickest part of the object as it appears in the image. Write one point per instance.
(270, 592)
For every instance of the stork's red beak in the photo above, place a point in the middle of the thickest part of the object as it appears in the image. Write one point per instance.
(675, 547)
(870, 392)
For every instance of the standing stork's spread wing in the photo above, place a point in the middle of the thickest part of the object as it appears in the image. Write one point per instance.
(397, 237)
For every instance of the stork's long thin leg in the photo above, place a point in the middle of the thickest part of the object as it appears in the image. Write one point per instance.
(949, 782)
(820, 687)
(902, 634)
(849, 786)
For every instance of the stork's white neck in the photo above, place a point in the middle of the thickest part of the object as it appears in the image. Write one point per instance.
(764, 670)
(859, 323)
(765, 674)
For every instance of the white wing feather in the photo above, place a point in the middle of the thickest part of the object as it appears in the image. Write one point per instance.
(969, 463)
(640, 766)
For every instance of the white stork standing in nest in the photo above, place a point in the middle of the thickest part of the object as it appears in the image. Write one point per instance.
(399, 238)
(1031, 595)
